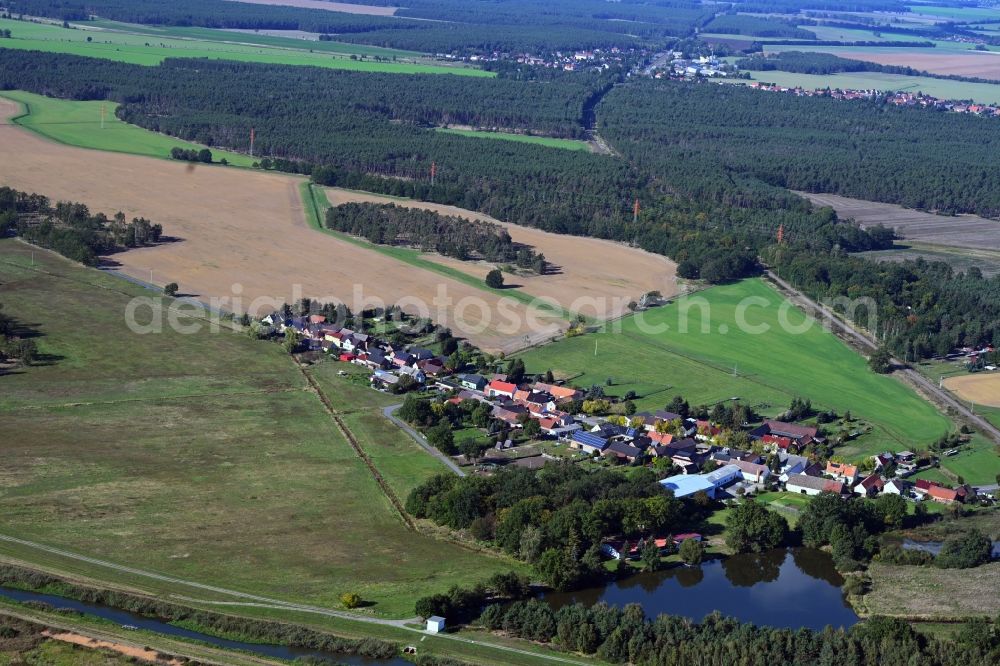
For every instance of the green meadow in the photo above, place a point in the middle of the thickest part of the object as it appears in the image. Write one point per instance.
(958, 14)
(550, 142)
(151, 49)
(79, 124)
(201, 455)
(248, 37)
(694, 347)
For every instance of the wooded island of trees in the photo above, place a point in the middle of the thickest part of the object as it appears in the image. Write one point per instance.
(70, 229)
(430, 231)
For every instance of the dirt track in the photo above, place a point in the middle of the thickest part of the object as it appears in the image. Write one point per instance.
(237, 227)
(610, 273)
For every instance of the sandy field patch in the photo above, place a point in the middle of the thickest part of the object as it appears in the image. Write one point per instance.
(602, 276)
(345, 7)
(247, 229)
(141, 654)
(970, 231)
(981, 64)
(982, 388)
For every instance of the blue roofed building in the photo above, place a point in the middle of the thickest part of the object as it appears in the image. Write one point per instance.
(589, 442)
(685, 485)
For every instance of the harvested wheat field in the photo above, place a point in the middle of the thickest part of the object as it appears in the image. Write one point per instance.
(981, 388)
(238, 227)
(978, 64)
(345, 7)
(594, 277)
(970, 231)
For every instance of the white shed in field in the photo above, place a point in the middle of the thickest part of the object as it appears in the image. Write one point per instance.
(435, 624)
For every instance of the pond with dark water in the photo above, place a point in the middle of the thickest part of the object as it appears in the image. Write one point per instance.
(789, 588)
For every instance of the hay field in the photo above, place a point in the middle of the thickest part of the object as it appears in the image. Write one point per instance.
(247, 229)
(345, 7)
(969, 231)
(604, 274)
(983, 93)
(981, 388)
(981, 64)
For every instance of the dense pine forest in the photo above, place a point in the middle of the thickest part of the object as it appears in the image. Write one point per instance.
(70, 228)
(736, 145)
(451, 26)
(450, 235)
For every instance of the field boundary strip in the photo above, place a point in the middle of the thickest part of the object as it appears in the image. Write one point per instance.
(349, 436)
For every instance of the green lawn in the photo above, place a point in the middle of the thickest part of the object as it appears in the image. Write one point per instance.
(79, 124)
(986, 93)
(201, 455)
(151, 49)
(976, 462)
(722, 362)
(567, 144)
(235, 36)
(790, 505)
(402, 463)
(960, 14)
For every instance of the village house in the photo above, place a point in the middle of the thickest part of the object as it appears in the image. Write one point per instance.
(753, 472)
(790, 465)
(622, 451)
(897, 487)
(588, 442)
(473, 382)
(779, 433)
(942, 494)
(813, 485)
(842, 472)
(685, 485)
(501, 389)
(560, 394)
(870, 486)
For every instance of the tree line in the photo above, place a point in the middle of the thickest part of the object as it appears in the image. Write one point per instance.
(627, 636)
(741, 24)
(430, 231)
(70, 228)
(921, 309)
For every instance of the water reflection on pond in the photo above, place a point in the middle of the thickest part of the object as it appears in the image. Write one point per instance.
(790, 588)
